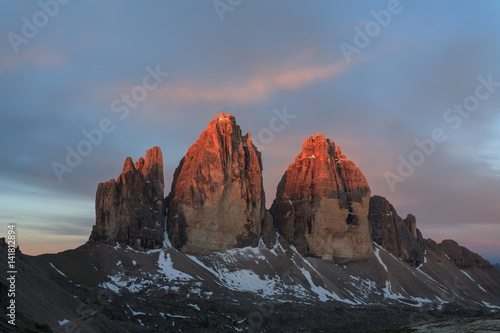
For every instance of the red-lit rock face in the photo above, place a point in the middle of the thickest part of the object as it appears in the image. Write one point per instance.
(217, 200)
(322, 203)
(130, 210)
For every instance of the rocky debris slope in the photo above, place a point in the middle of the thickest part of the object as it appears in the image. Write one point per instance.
(130, 210)
(103, 288)
(399, 237)
(459, 255)
(217, 199)
(322, 203)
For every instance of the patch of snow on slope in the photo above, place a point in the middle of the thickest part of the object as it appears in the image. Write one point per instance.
(437, 284)
(177, 316)
(491, 306)
(377, 254)
(132, 284)
(233, 255)
(166, 267)
(166, 241)
(58, 270)
(420, 301)
(135, 313)
(480, 287)
(64, 321)
(194, 306)
(366, 287)
(224, 265)
(388, 293)
(323, 294)
(240, 279)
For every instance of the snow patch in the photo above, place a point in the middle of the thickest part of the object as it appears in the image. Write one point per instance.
(491, 306)
(63, 322)
(377, 254)
(365, 287)
(177, 316)
(322, 293)
(166, 241)
(58, 270)
(134, 313)
(388, 293)
(166, 267)
(194, 306)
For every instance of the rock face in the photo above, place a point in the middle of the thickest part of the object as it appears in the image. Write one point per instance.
(130, 210)
(322, 203)
(461, 256)
(217, 199)
(399, 237)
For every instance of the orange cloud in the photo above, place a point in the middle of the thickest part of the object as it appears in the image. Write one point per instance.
(256, 88)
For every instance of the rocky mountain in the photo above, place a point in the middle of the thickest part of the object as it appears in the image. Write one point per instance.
(459, 255)
(322, 203)
(399, 237)
(337, 261)
(217, 200)
(129, 210)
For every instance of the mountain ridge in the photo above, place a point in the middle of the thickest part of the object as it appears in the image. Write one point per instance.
(146, 269)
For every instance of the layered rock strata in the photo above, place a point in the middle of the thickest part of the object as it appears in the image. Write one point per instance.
(322, 203)
(217, 199)
(129, 210)
(399, 237)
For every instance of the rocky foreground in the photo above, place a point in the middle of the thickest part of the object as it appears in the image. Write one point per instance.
(209, 257)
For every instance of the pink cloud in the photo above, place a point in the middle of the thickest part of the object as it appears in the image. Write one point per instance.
(253, 89)
(38, 59)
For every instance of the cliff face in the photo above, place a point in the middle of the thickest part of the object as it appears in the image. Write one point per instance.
(398, 236)
(322, 203)
(217, 199)
(130, 210)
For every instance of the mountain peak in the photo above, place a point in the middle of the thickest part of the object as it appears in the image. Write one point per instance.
(130, 211)
(217, 200)
(322, 202)
(128, 165)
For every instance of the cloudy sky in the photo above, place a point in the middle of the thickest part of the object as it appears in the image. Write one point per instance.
(373, 76)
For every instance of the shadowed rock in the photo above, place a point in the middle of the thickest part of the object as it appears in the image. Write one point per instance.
(399, 237)
(461, 256)
(130, 210)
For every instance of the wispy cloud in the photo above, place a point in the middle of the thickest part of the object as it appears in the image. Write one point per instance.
(256, 88)
(40, 59)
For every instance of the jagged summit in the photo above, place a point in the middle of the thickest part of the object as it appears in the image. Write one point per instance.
(217, 200)
(130, 210)
(400, 237)
(322, 201)
(221, 272)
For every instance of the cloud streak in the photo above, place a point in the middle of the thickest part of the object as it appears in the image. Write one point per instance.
(259, 87)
